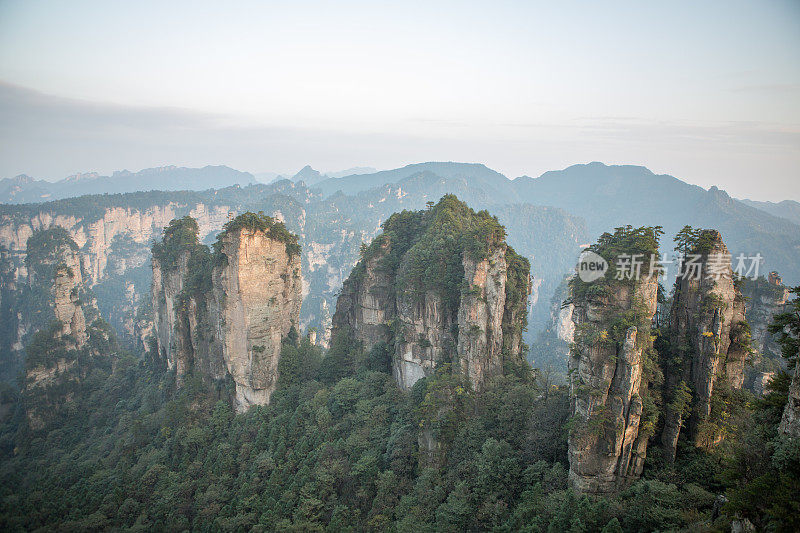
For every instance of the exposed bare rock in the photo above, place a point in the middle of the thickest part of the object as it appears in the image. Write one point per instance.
(258, 293)
(480, 318)
(433, 305)
(69, 332)
(367, 303)
(607, 447)
(710, 342)
(167, 288)
(95, 236)
(790, 423)
(224, 314)
(611, 362)
(765, 299)
(761, 382)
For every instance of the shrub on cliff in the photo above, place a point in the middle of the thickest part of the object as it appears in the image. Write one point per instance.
(274, 229)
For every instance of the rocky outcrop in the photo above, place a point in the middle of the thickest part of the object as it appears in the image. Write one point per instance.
(790, 422)
(68, 309)
(257, 291)
(95, 235)
(765, 298)
(437, 303)
(709, 344)
(608, 440)
(113, 235)
(480, 316)
(224, 314)
(167, 292)
(760, 383)
(367, 304)
(70, 336)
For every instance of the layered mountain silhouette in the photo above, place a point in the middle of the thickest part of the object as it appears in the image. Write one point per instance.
(24, 189)
(605, 196)
(788, 209)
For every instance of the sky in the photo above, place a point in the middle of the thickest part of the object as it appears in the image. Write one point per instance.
(706, 91)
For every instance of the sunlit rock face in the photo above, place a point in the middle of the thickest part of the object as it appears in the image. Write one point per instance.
(257, 295)
(607, 447)
(223, 315)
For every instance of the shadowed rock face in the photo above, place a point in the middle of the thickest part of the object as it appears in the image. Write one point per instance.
(367, 303)
(67, 307)
(69, 332)
(709, 340)
(232, 326)
(607, 447)
(482, 324)
(765, 299)
(790, 423)
(427, 334)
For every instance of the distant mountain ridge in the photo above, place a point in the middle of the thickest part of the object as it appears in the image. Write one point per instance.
(24, 189)
(788, 209)
(605, 196)
(477, 174)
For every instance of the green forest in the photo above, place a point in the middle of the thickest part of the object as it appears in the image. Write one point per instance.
(338, 446)
(336, 450)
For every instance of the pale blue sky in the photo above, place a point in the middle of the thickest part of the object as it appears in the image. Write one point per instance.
(706, 91)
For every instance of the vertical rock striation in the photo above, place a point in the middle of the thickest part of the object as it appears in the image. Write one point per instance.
(709, 344)
(765, 299)
(790, 422)
(223, 315)
(607, 450)
(257, 294)
(439, 287)
(609, 383)
(70, 335)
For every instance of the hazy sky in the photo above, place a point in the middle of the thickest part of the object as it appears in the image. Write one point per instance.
(706, 91)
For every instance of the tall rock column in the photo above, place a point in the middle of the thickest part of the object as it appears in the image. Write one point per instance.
(480, 317)
(606, 447)
(790, 423)
(439, 287)
(224, 314)
(608, 395)
(257, 289)
(167, 288)
(71, 336)
(709, 343)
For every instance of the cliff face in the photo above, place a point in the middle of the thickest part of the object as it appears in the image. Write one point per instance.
(610, 365)
(224, 314)
(67, 307)
(434, 299)
(367, 302)
(70, 337)
(607, 448)
(765, 299)
(258, 294)
(167, 289)
(95, 234)
(709, 344)
(481, 315)
(790, 423)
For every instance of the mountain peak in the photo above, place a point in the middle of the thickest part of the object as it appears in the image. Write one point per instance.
(21, 179)
(308, 175)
